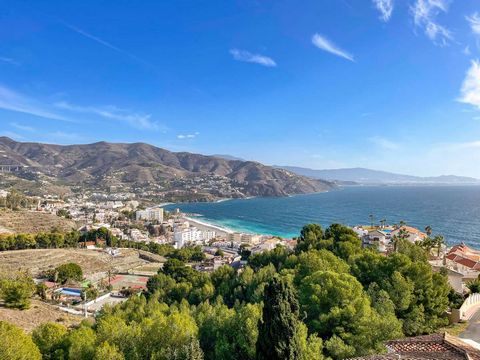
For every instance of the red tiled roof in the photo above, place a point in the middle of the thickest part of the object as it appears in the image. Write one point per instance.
(428, 347)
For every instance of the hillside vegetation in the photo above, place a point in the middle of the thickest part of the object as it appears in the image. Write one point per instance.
(128, 166)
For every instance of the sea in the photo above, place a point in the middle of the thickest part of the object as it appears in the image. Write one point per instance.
(451, 211)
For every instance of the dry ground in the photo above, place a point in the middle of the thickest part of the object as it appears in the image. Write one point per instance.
(91, 261)
(38, 313)
(24, 221)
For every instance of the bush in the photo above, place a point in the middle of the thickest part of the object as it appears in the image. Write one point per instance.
(15, 344)
(17, 289)
(68, 272)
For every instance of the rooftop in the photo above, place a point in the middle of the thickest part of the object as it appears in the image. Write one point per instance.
(428, 347)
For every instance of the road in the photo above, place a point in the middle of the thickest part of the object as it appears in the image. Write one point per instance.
(473, 328)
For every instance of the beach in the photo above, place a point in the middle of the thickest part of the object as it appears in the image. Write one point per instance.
(202, 225)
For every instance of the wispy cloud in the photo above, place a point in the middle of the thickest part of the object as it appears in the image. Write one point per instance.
(12, 135)
(188, 136)
(384, 143)
(14, 101)
(425, 13)
(9, 60)
(324, 44)
(458, 146)
(385, 7)
(104, 43)
(467, 51)
(61, 136)
(246, 56)
(470, 91)
(22, 127)
(474, 21)
(138, 120)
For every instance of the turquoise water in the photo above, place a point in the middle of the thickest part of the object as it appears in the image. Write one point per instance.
(453, 211)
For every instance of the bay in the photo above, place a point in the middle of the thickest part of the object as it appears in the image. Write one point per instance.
(452, 211)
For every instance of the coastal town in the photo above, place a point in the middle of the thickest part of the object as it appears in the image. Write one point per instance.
(122, 244)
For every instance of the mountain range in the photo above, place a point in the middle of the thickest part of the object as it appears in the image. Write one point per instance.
(148, 169)
(372, 177)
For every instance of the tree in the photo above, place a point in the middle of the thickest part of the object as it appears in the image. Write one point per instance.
(177, 270)
(474, 286)
(310, 238)
(438, 242)
(339, 311)
(428, 230)
(16, 290)
(81, 344)
(279, 325)
(50, 337)
(15, 344)
(105, 351)
(69, 272)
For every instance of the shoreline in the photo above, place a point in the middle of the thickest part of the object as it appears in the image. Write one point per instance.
(203, 225)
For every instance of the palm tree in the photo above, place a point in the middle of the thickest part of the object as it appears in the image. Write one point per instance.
(371, 219)
(383, 222)
(395, 240)
(439, 241)
(402, 223)
(428, 230)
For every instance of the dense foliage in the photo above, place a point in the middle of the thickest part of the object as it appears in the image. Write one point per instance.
(327, 299)
(16, 289)
(66, 273)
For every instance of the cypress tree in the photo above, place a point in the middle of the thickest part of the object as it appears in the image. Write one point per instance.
(277, 334)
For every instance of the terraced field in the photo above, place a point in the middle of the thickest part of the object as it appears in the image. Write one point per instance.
(94, 263)
(24, 221)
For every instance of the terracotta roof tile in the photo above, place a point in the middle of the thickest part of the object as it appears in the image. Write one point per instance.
(428, 347)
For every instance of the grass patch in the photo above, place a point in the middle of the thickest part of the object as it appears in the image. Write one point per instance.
(455, 329)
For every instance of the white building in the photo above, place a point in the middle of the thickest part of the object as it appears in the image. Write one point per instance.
(184, 237)
(192, 235)
(150, 214)
(237, 237)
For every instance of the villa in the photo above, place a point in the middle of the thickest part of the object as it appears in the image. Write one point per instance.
(381, 237)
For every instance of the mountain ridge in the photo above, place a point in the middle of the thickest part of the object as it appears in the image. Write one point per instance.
(136, 165)
(361, 175)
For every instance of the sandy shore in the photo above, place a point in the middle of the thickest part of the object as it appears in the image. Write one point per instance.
(202, 225)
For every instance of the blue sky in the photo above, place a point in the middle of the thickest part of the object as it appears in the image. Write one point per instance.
(384, 84)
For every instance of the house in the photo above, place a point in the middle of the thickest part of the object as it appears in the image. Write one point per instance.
(377, 238)
(414, 235)
(436, 346)
(463, 259)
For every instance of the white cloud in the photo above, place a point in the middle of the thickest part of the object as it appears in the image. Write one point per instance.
(188, 136)
(474, 21)
(324, 44)
(140, 121)
(14, 101)
(243, 55)
(22, 127)
(467, 51)
(9, 60)
(384, 143)
(470, 91)
(425, 13)
(385, 7)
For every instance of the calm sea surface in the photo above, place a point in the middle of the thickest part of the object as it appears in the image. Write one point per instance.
(453, 211)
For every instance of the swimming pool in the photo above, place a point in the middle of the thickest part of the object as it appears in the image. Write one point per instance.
(71, 292)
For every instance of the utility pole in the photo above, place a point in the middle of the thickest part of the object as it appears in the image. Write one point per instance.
(85, 302)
